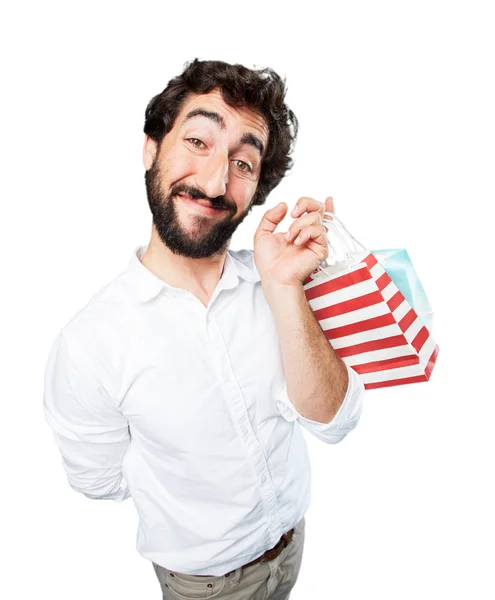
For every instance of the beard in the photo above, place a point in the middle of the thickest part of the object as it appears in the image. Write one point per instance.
(206, 239)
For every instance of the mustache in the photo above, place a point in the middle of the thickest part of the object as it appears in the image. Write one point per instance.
(196, 194)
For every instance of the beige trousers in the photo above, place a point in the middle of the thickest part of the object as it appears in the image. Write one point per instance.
(271, 580)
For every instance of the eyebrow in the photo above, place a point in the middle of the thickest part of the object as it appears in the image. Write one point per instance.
(247, 138)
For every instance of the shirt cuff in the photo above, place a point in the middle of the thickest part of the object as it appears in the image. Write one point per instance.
(344, 420)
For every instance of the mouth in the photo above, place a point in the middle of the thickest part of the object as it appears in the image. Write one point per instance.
(203, 206)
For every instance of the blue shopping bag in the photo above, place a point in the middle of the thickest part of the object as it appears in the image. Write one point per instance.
(400, 269)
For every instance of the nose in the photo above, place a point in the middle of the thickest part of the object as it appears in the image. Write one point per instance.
(213, 175)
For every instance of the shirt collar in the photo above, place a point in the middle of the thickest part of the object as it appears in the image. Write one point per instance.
(147, 285)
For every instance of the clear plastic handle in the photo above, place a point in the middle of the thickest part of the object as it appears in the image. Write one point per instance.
(358, 247)
(347, 241)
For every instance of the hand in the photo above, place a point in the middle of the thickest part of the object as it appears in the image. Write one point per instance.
(283, 260)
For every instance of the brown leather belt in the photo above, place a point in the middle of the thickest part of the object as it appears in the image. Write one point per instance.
(275, 551)
(269, 554)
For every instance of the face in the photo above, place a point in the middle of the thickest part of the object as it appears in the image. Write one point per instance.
(201, 182)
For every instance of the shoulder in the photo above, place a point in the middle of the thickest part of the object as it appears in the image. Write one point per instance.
(98, 325)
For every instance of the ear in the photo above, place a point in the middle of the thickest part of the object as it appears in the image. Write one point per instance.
(149, 152)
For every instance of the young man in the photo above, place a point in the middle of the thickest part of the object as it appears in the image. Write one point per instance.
(184, 381)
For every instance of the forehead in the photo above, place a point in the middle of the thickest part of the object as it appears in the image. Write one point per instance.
(233, 116)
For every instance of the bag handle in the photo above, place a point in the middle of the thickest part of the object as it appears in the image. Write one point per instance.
(335, 220)
(330, 221)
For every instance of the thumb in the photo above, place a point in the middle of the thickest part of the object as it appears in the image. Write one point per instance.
(271, 219)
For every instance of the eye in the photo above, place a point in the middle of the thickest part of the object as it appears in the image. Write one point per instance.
(247, 169)
(192, 140)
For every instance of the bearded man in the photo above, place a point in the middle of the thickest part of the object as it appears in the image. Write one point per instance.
(185, 381)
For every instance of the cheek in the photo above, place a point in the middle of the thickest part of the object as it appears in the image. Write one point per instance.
(242, 190)
(179, 165)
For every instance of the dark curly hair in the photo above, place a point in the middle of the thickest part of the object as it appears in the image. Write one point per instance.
(262, 91)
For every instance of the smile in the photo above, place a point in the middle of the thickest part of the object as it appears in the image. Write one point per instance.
(203, 206)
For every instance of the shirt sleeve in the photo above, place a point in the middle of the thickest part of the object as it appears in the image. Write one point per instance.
(91, 433)
(342, 423)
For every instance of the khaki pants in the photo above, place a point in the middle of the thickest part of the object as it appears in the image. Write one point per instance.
(271, 580)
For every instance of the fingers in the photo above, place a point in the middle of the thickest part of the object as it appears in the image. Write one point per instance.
(313, 218)
(271, 219)
(309, 205)
(329, 205)
(313, 232)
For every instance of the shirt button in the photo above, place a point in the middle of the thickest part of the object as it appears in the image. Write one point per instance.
(263, 479)
(244, 430)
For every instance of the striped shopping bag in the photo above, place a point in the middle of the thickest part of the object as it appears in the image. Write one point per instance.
(367, 319)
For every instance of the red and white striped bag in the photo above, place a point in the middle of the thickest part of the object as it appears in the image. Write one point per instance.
(365, 317)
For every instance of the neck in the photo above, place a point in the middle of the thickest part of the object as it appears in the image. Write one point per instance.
(197, 275)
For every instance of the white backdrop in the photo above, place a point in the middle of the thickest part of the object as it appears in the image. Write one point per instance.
(395, 102)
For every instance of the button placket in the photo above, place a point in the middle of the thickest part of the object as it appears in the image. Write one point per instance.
(240, 415)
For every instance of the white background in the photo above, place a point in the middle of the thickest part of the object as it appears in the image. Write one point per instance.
(396, 110)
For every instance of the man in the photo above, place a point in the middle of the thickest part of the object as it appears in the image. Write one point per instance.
(184, 381)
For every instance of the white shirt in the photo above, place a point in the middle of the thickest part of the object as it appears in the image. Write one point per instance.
(185, 408)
